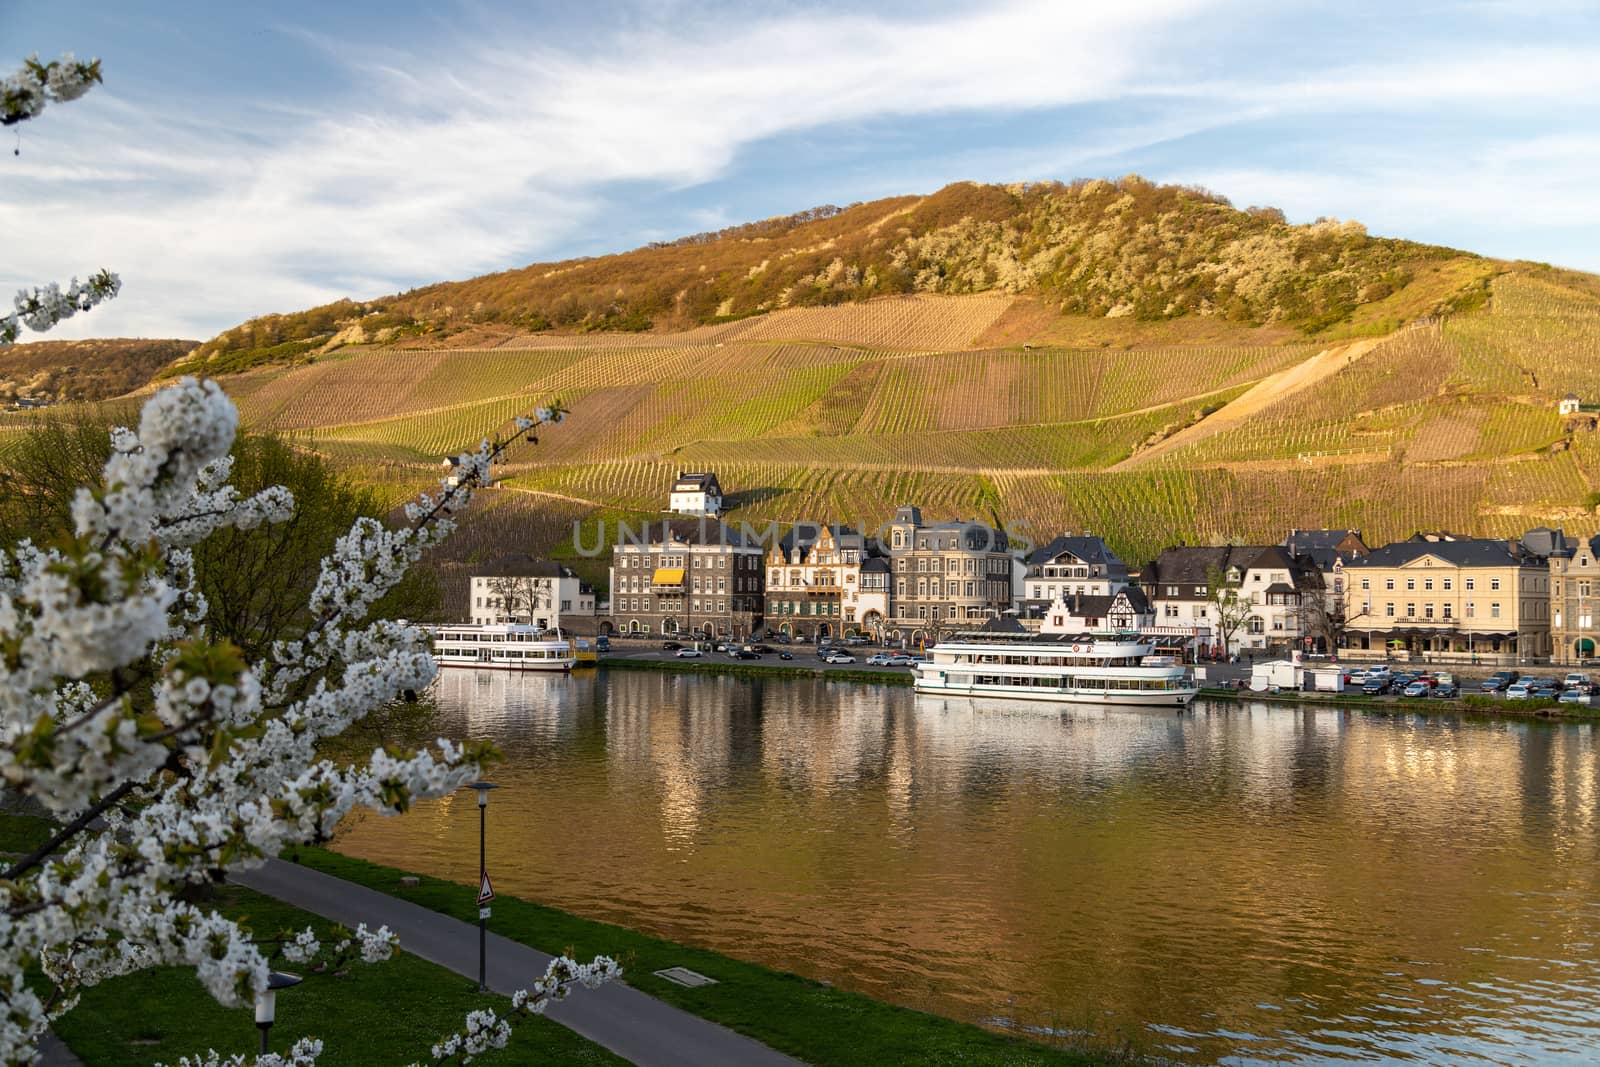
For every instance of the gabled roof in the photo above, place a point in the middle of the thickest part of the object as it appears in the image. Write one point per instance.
(1135, 598)
(1315, 543)
(1087, 549)
(875, 565)
(1473, 552)
(1543, 541)
(1272, 558)
(1089, 607)
(1003, 624)
(1188, 564)
(694, 483)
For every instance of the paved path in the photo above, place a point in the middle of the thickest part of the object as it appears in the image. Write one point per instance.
(636, 1027)
(53, 1052)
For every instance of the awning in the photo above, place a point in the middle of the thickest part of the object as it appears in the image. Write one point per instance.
(667, 576)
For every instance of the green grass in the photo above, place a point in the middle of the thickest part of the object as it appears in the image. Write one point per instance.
(820, 1024)
(387, 1013)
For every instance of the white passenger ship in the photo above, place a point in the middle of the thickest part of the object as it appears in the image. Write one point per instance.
(1066, 669)
(503, 646)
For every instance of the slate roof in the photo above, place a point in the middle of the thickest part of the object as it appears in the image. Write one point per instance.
(1187, 564)
(1003, 624)
(693, 483)
(1545, 542)
(1474, 552)
(875, 565)
(1136, 599)
(691, 531)
(1088, 549)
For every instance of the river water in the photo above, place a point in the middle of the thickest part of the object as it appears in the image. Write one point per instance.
(1233, 883)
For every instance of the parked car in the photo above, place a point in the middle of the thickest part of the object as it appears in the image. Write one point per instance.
(1359, 676)
(786, 655)
(782, 639)
(881, 659)
(1547, 691)
(855, 639)
(1401, 680)
(1445, 691)
(744, 653)
(900, 659)
(1577, 678)
(764, 649)
(1445, 678)
(671, 646)
(602, 644)
(1498, 681)
(1417, 689)
(1574, 696)
(688, 653)
(1375, 687)
(1518, 691)
(838, 657)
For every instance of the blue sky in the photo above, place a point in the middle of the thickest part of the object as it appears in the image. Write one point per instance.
(249, 158)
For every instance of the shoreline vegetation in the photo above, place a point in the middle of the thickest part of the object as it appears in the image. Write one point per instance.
(1466, 705)
(811, 1020)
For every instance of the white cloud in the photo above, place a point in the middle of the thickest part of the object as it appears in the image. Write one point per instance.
(480, 153)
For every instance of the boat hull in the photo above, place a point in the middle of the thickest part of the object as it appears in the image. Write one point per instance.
(1154, 698)
(557, 665)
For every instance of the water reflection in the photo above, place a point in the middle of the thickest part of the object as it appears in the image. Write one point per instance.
(1245, 883)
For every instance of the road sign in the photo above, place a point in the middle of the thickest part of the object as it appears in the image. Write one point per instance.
(485, 891)
(483, 913)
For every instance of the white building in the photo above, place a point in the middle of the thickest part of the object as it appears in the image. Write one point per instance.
(1066, 567)
(1570, 404)
(1126, 609)
(696, 494)
(528, 591)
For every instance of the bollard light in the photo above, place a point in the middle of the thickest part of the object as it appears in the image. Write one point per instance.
(267, 1002)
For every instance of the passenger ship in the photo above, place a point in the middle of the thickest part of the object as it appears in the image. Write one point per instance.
(503, 646)
(1083, 669)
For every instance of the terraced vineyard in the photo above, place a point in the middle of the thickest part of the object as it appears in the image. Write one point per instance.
(847, 412)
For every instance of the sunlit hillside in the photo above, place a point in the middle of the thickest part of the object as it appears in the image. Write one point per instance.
(845, 413)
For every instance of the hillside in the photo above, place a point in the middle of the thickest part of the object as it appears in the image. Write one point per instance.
(842, 413)
(55, 371)
(1363, 382)
(1111, 254)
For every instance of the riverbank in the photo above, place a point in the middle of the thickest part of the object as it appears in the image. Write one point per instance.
(745, 668)
(1484, 706)
(812, 1021)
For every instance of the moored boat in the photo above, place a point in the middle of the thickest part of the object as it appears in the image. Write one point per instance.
(503, 646)
(1063, 668)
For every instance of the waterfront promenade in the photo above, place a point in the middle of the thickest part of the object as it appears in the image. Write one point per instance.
(635, 1026)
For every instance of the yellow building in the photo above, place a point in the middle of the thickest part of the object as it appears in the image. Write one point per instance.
(1449, 600)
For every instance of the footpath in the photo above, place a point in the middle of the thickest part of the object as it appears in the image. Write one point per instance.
(635, 1026)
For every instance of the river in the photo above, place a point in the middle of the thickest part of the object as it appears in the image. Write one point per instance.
(1235, 883)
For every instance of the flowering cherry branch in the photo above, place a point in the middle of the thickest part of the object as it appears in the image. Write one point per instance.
(192, 762)
(24, 94)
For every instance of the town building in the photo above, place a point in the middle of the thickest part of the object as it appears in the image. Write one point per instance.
(1569, 404)
(1328, 551)
(869, 610)
(1575, 602)
(1449, 598)
(696, 494)
(1068, 566)
(813, 581)
(1286, 595)
(529, 591)
(946, 575)
(686, 576)
(1126, 609)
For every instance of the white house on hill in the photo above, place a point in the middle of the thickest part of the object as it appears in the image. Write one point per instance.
(696, 494)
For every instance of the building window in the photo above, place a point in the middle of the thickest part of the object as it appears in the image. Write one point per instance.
(1427, 611)
(1388, 583)
(1411, 611)
(1469, 609)
(1494, 584)
(1427, 583)
(1388, 610)
(1494, 610)
(1448, 583)
(1366, 583)
(1447, 611)
(1472, 583)
(1411, 584)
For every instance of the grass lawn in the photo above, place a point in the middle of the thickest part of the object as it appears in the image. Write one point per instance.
(817, 1023)
(387, 1013)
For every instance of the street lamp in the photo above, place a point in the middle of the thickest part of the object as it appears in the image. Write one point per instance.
(483, 881)
(267, 1002)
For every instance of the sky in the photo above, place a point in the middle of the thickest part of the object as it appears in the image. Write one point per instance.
(243, 159)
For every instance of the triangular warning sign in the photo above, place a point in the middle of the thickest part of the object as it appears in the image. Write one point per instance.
(485, 891)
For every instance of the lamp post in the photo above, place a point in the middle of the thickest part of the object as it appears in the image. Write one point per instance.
(483, 878)
(267, 1002)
